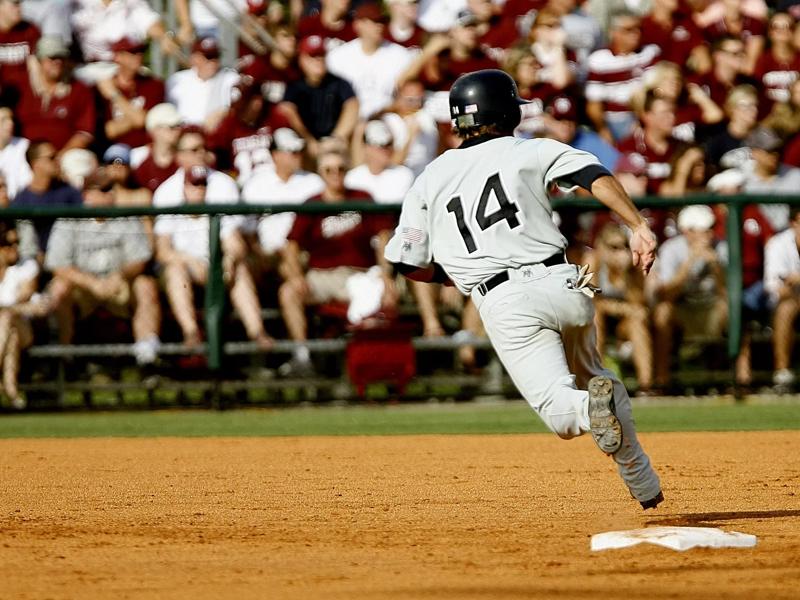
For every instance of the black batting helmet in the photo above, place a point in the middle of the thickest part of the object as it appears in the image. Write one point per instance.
(487, 97)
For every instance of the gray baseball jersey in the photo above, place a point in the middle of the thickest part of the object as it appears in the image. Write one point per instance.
(481, 209)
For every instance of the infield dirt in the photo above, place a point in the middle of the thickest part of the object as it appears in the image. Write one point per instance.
(389, 517)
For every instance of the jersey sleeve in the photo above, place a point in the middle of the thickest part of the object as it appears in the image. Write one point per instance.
(558, 160)
(410, 243)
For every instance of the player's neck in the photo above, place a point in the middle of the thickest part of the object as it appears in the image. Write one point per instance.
(479, 139)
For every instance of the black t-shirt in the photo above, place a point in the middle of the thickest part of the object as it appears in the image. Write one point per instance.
(723, 151)
(320, 106)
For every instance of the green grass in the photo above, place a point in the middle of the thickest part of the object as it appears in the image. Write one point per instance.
(512, 417)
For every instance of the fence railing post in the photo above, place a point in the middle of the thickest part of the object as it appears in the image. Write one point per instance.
(215, 295)
(734, 277)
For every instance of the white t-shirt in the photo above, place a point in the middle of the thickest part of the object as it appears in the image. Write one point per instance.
(202, 18)
(426, 143)
(439, 15)
(483, 208)
(265, 187)
(195, 98)
(781, 259)
(14, 165)
(387, 187)
(98, 25)
(373, 76)
(14, 278)
(189, 233)
(786, 181)
(701, 287)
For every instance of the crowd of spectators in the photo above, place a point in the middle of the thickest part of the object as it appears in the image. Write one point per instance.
(348, 101)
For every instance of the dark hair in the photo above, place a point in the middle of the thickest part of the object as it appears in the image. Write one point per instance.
(34, 150)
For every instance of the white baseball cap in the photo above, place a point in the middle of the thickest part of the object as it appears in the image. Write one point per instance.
(162, 115)
(698, 217)
(287, 140)
(377, 134)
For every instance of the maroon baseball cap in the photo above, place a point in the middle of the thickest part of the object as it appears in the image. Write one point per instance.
(371, 11)
(207, 46)
(197, 175)
(562, 108)
(131, 45)
(313, 45)
(257, 7)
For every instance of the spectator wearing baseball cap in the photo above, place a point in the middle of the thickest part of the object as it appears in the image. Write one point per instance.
(320, 104)
(279, 67)
(155, 163)
(286, 183)
(54, 106)
(202, 93)
(127, 191)
(445, 57)
(768, 175)
(241, 141)
(386, 182)
(689, 286)
(129, 94)
(182, 241)
(97, 25)
(370, 63)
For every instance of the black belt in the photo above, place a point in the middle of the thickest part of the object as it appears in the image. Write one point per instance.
(501, 277)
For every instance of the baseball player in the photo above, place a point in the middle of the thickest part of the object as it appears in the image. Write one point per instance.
(479, 217)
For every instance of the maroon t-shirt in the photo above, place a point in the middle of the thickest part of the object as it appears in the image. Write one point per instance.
(756, 230)
(70, 110)
(149, 175)
(750, 27)
(676, 41)
(502, 34)
(272, 80)
(343, 240)
(442, 73)
(658, 163)
(233, 137)
(16, 45)
(416, 40)
(775, 77)
(145, 93)
(312, 25)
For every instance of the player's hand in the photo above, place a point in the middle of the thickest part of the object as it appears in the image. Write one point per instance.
(643, 248)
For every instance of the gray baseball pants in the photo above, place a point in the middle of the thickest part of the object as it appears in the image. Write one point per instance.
(544, 334)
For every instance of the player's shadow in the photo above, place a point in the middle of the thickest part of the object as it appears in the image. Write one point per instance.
(706, 519)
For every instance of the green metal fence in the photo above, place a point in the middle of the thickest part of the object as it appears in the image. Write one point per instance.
(215, 289)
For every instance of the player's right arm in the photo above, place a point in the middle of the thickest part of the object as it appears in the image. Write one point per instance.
(409, 250)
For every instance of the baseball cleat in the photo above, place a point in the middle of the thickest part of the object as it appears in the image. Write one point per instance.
(653, 502)
(606, 428)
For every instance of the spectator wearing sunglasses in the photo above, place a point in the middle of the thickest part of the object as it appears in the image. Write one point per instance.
(340, 252)
(182, 242)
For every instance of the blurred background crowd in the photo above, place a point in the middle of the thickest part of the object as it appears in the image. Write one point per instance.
(302, 101)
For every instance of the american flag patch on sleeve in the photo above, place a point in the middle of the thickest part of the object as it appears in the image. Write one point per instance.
(413, 235)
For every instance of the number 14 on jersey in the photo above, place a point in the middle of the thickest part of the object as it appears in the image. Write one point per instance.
(507, 211)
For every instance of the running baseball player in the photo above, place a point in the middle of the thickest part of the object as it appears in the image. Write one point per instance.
(479, 216)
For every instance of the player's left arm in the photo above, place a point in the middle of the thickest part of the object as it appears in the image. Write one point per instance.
(610, 192)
